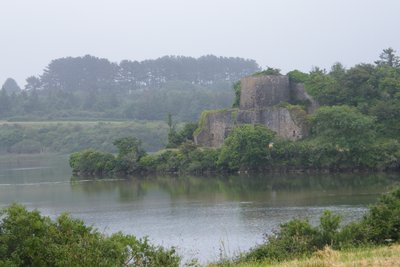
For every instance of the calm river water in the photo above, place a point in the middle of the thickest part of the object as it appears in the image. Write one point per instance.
(201, 216)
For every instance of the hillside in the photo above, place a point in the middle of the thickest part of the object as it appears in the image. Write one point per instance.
(82, 88)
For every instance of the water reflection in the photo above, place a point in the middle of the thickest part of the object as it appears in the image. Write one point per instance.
(198, 214)
(276, 190)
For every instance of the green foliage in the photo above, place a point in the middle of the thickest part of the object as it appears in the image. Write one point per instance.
(328, 229)
(382, 222)
(91, 162)
(321, 154)
(88, 87)
(388, 57)
(294, 238)
(203, 118)
(237, 88)
(29, 239)
(356, 128)
(10, 86)
(5, 104)
(247, 146)
(344, 127)
(297, 76)
(26, 146)
(129, 147)
(268, 71)
(176, 138)
(297, 238)
(67, 137)
(129, 153)
(324, 88)
(361, 86)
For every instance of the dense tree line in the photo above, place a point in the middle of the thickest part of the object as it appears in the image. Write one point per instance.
(91, 87)
(68, 137)
(373, 89)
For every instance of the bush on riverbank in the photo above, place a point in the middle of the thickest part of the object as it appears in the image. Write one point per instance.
(255, 148)
(29, 239)
(298, 238)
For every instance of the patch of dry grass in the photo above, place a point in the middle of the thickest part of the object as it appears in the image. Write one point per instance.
(387, 256)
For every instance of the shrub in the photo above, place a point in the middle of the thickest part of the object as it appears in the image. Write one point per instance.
(246, 147)
(294, 238)
(382, 222)
(92, 162)
(29, 239)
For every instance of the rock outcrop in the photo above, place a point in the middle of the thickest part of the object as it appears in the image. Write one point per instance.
(263, 100)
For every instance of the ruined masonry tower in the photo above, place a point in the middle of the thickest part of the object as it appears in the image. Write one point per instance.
(261, 102)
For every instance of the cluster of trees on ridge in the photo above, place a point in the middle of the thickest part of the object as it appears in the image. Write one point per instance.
(95, 88)
(29, 239)
(357, 127)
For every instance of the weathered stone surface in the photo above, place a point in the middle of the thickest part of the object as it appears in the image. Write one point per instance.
(280, 120)
(263, 91)
(215, 127)
(259, 101)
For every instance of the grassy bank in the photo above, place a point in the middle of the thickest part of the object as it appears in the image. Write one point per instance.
(368, 256)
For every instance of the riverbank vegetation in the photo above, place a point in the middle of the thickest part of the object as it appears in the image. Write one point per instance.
(353, 146)
(354, 129)
(29, 239)
(298, 239)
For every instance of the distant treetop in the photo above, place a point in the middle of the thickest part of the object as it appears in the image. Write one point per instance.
(90, 73)
(388, 57)
(11, 86)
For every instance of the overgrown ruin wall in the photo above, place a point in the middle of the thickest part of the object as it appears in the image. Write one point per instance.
(263, 91)
(215, 127)
(283, 121)
(260, 101)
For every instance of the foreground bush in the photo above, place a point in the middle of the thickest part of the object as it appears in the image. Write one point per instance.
(298, 238)
(29, 239)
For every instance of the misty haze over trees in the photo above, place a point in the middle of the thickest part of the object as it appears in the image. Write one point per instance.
(95, 88)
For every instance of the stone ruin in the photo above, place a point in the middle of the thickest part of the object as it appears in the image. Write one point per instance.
(263, 100)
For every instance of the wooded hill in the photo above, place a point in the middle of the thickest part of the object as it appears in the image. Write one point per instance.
(94, 88)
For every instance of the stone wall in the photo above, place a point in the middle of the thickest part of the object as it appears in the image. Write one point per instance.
(215, 127)
(259, 104)
(263, 91)
(283, 121)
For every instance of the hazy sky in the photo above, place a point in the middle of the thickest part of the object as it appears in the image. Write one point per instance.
(285, 34)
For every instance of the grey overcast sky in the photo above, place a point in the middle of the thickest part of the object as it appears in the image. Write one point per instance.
(285, 34)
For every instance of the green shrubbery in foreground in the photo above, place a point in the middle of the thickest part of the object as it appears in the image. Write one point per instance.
(29, 239)
(298, 238)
